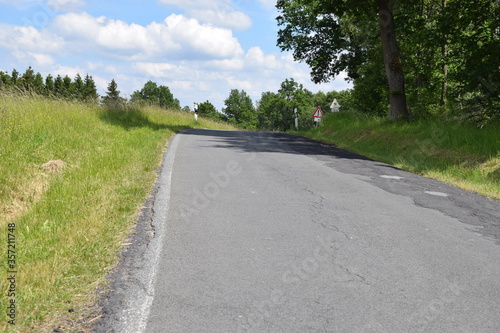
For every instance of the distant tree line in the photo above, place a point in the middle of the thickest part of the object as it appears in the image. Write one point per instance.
(84, 89)
(276, 110)
(59, 87)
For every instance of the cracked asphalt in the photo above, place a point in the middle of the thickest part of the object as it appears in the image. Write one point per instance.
(263, 232)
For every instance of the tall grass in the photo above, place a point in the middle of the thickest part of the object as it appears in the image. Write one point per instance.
(72, 219)
(454, 152)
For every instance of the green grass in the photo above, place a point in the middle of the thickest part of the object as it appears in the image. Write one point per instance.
(453, 152)
(71, 222)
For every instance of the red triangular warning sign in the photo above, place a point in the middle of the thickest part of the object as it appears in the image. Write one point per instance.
(318, 113)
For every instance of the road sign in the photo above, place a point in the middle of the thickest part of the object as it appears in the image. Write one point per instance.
(318, 113)
(335, 106)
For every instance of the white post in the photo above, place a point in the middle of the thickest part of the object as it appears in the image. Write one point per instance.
(195, 112)
(296, 119)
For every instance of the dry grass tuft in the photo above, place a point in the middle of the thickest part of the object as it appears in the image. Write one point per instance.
(53, 166)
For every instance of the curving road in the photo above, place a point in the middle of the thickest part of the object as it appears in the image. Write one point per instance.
(261, 232)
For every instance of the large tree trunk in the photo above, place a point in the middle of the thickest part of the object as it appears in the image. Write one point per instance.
(392, 61)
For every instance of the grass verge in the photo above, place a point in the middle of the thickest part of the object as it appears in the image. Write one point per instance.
(456, 153)
(72, 179)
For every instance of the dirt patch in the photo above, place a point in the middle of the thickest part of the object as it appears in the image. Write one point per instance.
(53, 166)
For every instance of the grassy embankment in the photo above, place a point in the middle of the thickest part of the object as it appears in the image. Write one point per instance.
(72, 217)
(455, 153)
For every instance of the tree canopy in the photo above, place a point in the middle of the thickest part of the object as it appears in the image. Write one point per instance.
(156, 95)
(240, 110)
(442, 55)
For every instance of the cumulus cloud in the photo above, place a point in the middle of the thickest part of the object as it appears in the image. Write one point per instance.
(217, 12)
(29, 39)
(176, 37)
(159, 70)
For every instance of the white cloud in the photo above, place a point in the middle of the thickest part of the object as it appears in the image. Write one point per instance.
(42, 60)
(65, 5)
(158, 70)
(217, 12)
(196, 58)
(176, 37)
(29, 39)
(256, 58)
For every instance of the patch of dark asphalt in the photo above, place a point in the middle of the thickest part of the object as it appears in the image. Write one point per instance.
(469, 207)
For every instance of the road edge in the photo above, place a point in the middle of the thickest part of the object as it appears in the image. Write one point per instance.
(127, 303)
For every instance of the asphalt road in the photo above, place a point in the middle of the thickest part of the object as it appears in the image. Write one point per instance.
(255, 232)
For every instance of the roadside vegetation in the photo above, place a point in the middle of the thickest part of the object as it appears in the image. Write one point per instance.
(454, 152)
(76, 167)
(73, 177)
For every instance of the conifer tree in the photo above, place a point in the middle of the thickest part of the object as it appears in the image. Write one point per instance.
(67, 90)
(14, 77)
(49, 86)
(112, 98)
(58, 86)
(27, 80)
(38, 84)
(77, 87)
(89, 90)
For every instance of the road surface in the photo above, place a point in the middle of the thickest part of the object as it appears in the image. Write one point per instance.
(255, 232)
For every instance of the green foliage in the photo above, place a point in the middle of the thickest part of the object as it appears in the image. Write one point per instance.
(270, 111)
(153, 94)
(208, 110)
(239, 109)
(112, 99)
(314, 31)
(452, 151)
(276, 110)
(89, 93)
(74, 220)
(449, 52)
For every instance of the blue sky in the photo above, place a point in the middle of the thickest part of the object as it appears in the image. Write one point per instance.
(200, 49)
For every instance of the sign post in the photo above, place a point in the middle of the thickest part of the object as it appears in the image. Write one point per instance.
(335, 106)
(296, 119)
(195, 111)
(318, 115)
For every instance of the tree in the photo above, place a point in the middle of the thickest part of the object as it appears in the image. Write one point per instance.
(89, 90)
(276, 111)
(112, 98)
(270, 111)
(156, 95)
(316, 32)
(296, 97)
(208, 110)
(59, 86)
(49, 85)
(77, 87)
(66, 89)
(38, 84)
(5, 78)
(27, 80)
(14, 77)
(240, 110)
